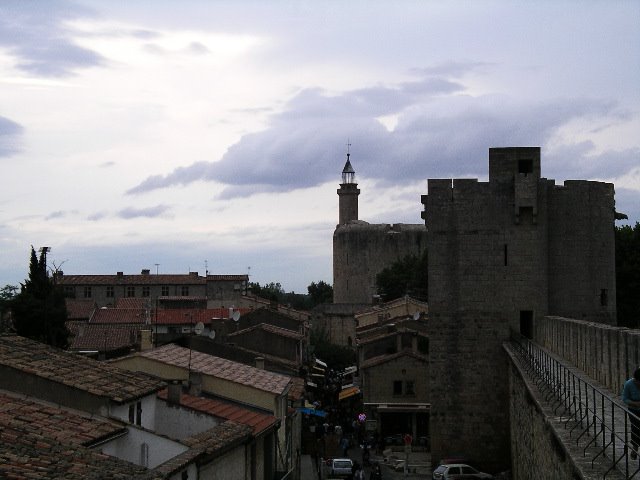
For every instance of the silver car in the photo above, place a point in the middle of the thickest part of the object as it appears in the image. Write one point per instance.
(459, 471)
(340, 467)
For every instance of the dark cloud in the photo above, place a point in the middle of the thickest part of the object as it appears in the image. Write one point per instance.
(149, 212)
(10, 133)
(36, 34)
(94, 217)
(440, 132)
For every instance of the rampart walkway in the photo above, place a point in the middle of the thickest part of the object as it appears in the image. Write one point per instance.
(594, 417)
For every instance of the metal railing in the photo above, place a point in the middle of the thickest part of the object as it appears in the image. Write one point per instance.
(590, 415)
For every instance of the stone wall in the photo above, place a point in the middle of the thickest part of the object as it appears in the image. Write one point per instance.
(541, 445)
(362, 250)
(607, 354)
(502, 255)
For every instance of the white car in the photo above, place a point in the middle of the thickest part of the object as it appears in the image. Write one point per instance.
(459, 471)
(340, 467)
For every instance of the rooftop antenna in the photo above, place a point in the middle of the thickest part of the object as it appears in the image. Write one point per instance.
(157, 265)
(206, 268)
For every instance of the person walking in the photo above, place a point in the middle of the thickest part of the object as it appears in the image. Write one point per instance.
(631, 397)
(376, 472)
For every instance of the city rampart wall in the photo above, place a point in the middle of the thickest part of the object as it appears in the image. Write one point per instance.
(607, 354)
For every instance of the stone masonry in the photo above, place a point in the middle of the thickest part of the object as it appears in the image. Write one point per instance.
(503, 254)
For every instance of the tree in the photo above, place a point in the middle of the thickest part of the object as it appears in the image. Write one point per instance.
(7, 294)
(320, 292)
(628, 275)
(407, 276)
(39, 310)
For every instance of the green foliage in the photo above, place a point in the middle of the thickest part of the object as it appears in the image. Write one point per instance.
(39, 310)
(628, 275)
(320, 292)
(407, 276)
(336, 356)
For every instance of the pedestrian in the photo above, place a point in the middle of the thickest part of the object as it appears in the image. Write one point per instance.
(631, 397)
(376, 472)
(358, 472)
(344, 445)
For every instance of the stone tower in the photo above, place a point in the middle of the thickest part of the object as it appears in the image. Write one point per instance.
(348, 195)
(503, 254)
(361, 250)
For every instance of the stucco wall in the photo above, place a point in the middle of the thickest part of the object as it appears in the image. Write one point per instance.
(231, 466)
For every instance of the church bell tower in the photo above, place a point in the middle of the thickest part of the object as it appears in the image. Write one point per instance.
(348, 194)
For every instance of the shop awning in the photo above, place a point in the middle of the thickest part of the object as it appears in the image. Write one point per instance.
(348, 392)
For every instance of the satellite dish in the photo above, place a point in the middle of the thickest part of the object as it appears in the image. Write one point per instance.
(212, 334)
(199, 328)
(416, 316)
(236, 316)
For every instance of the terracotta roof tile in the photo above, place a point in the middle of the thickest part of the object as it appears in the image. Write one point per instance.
(129, 302)
(40, 418)
(41, 441)
(119, 315)
(282, 332)
(100, 379)
(220, 368)
(372, 362)
(163, 279)
(79, 309)
(188, 316)
(88, 336)
(259, 422)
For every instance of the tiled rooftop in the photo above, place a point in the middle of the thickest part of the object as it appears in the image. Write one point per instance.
(206, 444)
(220, 368)
(41, 441)
(100, 379)
(380, 359)
(88, 336)
(162, 279)
(281, 332)
(184, 316)
(79, 309)
(39, 418)
(259, 422)
(120, 315)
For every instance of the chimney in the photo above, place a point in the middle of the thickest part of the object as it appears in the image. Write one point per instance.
(120, 274)
(174, 392)
(146, 342)
(145, 271)
(260, 363)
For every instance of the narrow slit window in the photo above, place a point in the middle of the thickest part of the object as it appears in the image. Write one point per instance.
(506, 255)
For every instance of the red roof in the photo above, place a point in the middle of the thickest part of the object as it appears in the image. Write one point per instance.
(119, 315)
(101, 337)
(259, 422)
(149, 279)
(183, 316)
(79, 309)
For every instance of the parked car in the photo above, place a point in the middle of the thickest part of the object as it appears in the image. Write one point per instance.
(340, 467)
(459, 471)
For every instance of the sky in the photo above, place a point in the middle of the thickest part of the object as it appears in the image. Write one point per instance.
(210, 135)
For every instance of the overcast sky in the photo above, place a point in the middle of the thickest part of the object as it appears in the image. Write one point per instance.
(179, 136)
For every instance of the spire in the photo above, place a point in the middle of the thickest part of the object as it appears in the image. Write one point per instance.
(348, 173)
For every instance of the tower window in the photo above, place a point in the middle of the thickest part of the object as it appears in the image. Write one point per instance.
(506, 255)
(604, 297)
(526, 323)
(525, 165)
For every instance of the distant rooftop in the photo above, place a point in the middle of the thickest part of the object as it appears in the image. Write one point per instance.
(220, 368)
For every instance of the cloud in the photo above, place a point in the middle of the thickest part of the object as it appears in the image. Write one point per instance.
(440, 132)
(149, 212)
(40, 40)
(10, 133)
